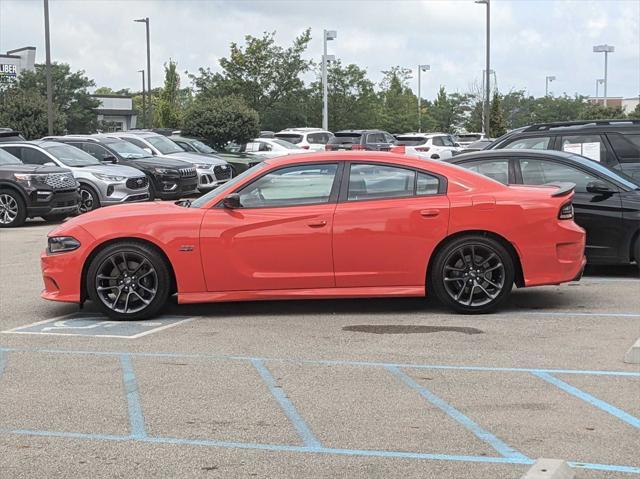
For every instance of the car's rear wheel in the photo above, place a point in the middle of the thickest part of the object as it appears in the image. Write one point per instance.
(88, 199)
(472, 274)
(128, 280)
(13, 211)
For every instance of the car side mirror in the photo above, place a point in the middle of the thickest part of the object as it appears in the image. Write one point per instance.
(232, 201)
(456, 145)
(110, 159)
(598, 187)
(148, 150)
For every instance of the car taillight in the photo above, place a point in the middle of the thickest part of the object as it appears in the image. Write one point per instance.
(358, 147)
(328, 147)
(305, 147)
(566, 212)
(422, 148)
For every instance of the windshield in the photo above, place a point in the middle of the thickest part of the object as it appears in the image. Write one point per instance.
(204, 199)
(128, 150)
(201, 147)
(290, 137)
(164, 145)
(617, 175)
(284, 144)
(8, 158)
(72, 156)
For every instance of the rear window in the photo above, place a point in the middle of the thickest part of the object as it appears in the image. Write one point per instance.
(469, 137)
(411, 140)
(290, 137)
(342, 138)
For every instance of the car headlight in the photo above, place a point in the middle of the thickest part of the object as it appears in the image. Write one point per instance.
(162, 171)
(31, 178)
(61, 244)
(203, 166)
(103, 177)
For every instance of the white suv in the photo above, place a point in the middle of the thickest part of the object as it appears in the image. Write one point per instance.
(313, 139)
(432, 146)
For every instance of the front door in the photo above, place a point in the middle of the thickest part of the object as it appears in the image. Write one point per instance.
(280, 238)
(386, 225)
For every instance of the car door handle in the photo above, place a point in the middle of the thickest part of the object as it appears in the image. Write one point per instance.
(317, 224)
(429, 213)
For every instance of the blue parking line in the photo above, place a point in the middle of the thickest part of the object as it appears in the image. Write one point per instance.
(136, 418)
(594, 401)
(329, 362)
(482, 434)
(3, 361)
(287, 406)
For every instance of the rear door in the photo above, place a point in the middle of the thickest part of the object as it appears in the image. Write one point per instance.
(600, 214)
(386, 225)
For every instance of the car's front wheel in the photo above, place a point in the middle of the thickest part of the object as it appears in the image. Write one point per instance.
(472, 274)
(88, 199)
(13, 211)
(128, 280)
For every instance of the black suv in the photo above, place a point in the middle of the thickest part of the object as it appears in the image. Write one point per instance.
(376, 140)
(614, 143)
(27, 191)
(7, 134)
(169, 179)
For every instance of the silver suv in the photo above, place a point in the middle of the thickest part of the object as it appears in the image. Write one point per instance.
(212, 170)
(100, 184)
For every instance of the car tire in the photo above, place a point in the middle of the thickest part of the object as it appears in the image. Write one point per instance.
(637, 252)
(89, 199)
(55, 218)
(152, 191)
(472, 274)
(128, 280)
(13, 210)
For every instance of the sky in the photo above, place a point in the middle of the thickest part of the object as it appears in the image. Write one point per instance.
(530, 39)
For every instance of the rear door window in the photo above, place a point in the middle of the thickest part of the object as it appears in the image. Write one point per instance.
(590, 146)
(540, 172)
(437, 141)
(534, 143)
(375, 138)
(626, 147)
(497, 169)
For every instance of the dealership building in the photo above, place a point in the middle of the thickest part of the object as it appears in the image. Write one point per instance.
(16, 61)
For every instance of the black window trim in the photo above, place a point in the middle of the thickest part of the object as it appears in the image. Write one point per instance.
(333, 196)
(346, 173)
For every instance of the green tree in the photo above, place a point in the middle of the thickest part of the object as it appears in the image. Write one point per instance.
(221, 120)
(168, 114)
(447, 112)
(635, 114)
(26, 112)
(70, 95)
(497, 124)
(398, 103)
(266, 75)
(593, 111)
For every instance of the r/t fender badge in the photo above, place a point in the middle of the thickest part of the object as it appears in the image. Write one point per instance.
(186, 247)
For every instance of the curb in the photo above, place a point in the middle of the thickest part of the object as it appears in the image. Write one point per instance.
(550, 469)
(633, 355)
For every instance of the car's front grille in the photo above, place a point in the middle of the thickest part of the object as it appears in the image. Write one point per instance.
(142, 197)
(137, 183)
(61, 181)
(63, 203)
(222, 172)
(187, 172)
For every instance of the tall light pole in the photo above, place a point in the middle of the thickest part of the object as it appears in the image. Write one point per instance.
(327, 35)
(546, 87)
(47, 43)
(599, 81)
(421, 68)
(149, 113)
(606, 49)
(144, 101)
(487, 85)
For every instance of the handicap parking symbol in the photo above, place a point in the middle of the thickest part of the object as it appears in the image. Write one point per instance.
(98, 325)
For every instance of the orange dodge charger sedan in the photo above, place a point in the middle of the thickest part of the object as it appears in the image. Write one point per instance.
(323, 225)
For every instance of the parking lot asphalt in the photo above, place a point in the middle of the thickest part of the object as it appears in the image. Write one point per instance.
(344, 388)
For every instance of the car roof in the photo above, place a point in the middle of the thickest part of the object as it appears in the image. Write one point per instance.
(518, 153)
(305, 129)
(422, 135)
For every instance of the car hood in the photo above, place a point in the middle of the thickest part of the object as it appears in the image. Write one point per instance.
(116, 170)
(33, 169)
(198, 158)
(159, 162)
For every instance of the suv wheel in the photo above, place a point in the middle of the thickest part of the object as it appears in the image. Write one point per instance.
(472, 274)
(128, 280)
(88, 199)
(13, 211)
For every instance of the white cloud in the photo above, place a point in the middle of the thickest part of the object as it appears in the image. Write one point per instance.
(530, 38)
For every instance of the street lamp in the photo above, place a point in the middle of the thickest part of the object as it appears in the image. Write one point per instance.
(47, 42)
(599, 81)
(144, 101)
(547, 80)
(606, 49)
(327, 35)
(485, 123)
(421, 68)
(146, 22)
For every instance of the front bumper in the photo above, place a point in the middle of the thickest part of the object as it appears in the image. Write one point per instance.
(119, 192)
(52, 202)
(172, 187)
(209, 179)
